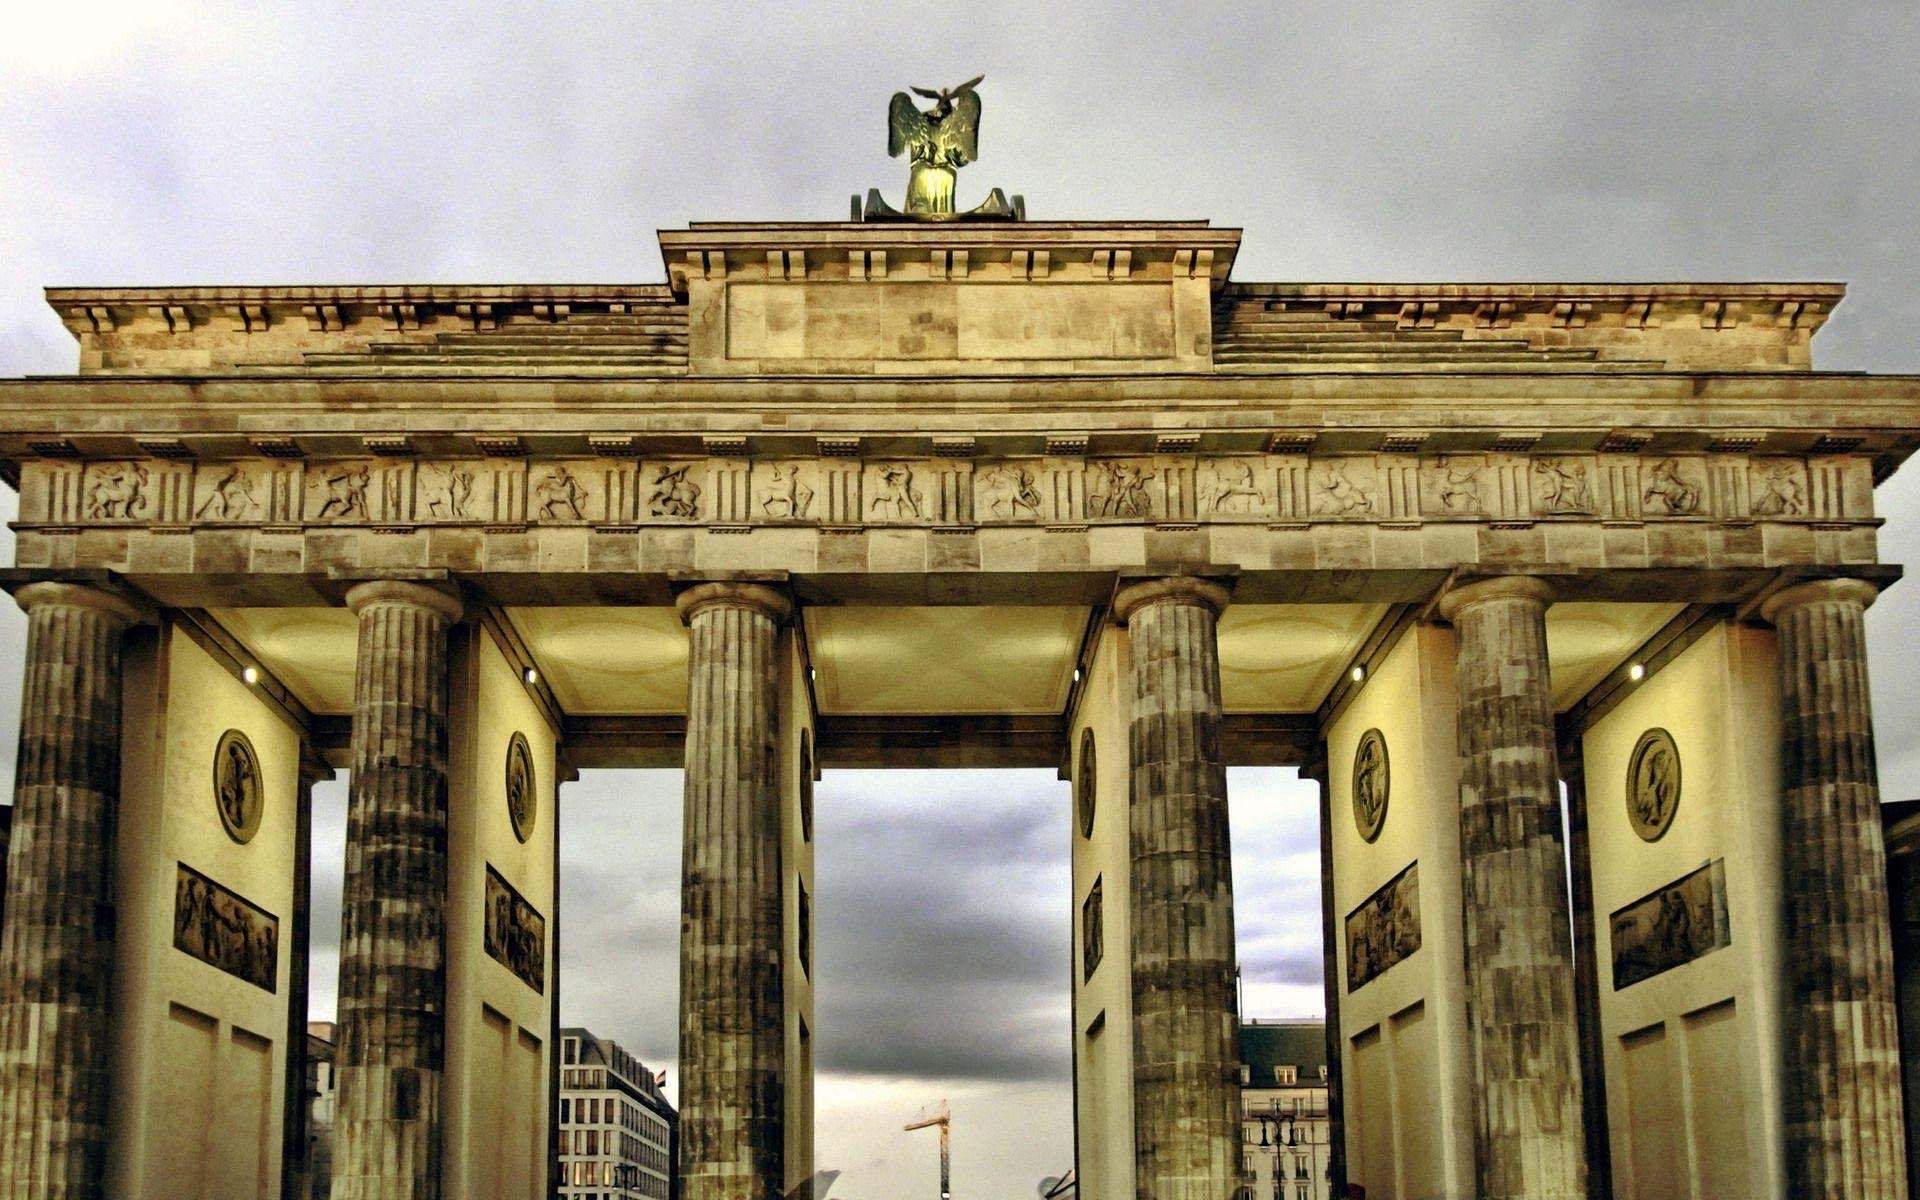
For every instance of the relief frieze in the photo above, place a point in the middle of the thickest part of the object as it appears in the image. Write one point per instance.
(1043, 491)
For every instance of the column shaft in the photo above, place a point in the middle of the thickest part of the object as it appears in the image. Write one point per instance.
(56, 953)
(392, 1013)
(1186, 1073)
(1528, 1121)
(1843, 1089)
(732, 1119)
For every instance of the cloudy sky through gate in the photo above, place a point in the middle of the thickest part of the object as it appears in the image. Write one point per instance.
(157, 144)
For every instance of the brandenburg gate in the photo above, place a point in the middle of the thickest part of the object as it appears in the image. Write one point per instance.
(911, 491)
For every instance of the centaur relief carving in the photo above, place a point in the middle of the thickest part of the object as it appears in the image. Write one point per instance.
(945, 492)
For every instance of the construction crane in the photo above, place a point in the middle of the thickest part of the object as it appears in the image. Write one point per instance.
(944, 1119)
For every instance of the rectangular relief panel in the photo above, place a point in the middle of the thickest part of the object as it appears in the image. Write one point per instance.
(516, 932)
(1385, 929)
(1671, 926)
(225, 930)
(938, 321)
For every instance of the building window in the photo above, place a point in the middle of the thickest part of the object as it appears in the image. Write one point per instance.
(1092, 936)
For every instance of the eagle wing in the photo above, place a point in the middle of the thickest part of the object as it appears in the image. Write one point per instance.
(907, 126)
(960, 130)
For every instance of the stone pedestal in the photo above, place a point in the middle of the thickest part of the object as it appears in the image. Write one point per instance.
(1842, 1099)
(1528, 1099)
(732, 1123)
(56, 954)
(392, 1016)
(1186, 1056)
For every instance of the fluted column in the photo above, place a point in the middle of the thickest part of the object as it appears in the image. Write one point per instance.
(1186, 1055)
(56, 953)
(1528, 1123)
(1843, 1088)
(392, 1048)
(732, 1123)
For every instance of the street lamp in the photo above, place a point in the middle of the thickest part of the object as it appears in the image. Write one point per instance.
(1282, 1123)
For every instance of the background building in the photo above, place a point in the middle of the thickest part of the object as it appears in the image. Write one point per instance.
(1283, 1104)
(616, 1128)
(320, 1092)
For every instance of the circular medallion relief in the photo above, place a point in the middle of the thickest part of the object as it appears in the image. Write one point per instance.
(806, 785)
(1653, 784)
(236, 786)
(1370, 784)
(522, 803)
(1084, 784)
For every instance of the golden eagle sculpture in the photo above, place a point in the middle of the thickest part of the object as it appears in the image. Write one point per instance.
(937, 142)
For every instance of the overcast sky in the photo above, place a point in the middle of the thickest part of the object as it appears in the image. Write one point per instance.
(167, 144)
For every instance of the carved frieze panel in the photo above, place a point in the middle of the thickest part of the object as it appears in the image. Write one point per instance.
(1235, 487)
(1346, 487)
(1385, 930)
(1122, 489)
(137, 491)
(1564, 486)
(1671, 926)
(1011, 491)
(1777, 487)
(1056, 491)
(786, 491)
(516, 933)
(673, 492)
(225, 930)
(899, 493)
(1455, 485)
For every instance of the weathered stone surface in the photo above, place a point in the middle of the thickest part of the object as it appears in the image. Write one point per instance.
(732, 1120)
(392, 1040)
(1529, 1127)
(56, 954)
(1842, 1053)
(1186, 1061)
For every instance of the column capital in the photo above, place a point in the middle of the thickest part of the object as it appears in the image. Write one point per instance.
(757, 597)
(77, 595)
(1170, 589)
(1500, 587)
(1817, 591)
(398, 591)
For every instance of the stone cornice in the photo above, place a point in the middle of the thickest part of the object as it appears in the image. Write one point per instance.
(1107, 250)
(1777, 413)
